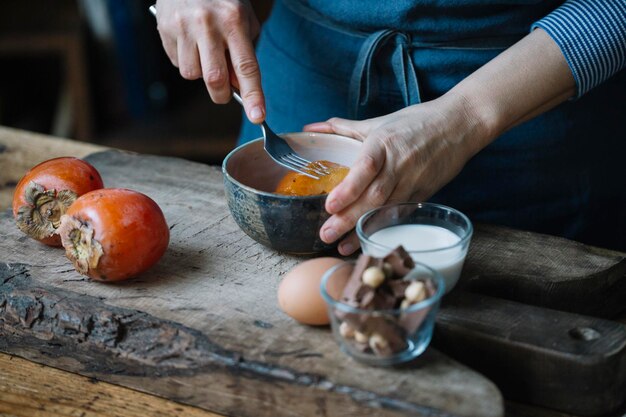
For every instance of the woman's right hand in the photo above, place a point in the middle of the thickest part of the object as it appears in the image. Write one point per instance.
(212, 39)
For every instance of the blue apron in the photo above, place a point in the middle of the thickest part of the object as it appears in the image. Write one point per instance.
(373, 61)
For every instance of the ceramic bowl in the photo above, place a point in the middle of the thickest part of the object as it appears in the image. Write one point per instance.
(284, 223)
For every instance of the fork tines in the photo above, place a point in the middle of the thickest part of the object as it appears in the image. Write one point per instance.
(312, 169)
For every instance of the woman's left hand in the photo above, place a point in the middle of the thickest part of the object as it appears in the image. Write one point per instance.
(412, 153)
(406, 156)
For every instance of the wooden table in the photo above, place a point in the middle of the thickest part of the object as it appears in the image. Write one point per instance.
(191, 354)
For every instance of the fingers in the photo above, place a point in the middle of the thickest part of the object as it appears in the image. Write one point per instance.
(213, 40)
(214, 69)
(248, 75)
(171, 50)
(377, 193)
(349, 245)
(351, 242)
(351, 128)
(188, 59)
(365, 169)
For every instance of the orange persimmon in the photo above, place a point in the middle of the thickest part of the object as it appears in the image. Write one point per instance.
(45, 193)
(114, 234)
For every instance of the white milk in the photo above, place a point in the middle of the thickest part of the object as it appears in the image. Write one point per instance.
(417, 238)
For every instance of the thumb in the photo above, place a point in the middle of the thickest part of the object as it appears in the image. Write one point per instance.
(351, 128)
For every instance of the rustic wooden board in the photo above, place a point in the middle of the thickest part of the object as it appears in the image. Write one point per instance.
(546, 271)
(62, 394)
(565, 361)
(203, 326)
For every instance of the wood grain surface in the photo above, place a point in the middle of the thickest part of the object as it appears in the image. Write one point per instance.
(546, 271)
(31, 390)
(203, 326)
(561, 360)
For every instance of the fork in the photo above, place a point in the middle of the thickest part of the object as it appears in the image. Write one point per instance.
(277, 148)
(280, 151)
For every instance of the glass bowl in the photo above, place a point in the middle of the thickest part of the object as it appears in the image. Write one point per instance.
(433, 234)
(381, 337)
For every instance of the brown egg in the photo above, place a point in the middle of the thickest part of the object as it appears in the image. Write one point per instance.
(299, 292)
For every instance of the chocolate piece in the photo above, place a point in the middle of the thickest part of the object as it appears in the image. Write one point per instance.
(411, 321)
(378, 262)
(398, 287)
(400, 261)
(387, 327)
(365, 296)
(354, 285)
(387, 333)
(383, 300)
(353, 319)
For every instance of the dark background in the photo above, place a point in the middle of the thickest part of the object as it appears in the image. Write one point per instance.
(95, 70)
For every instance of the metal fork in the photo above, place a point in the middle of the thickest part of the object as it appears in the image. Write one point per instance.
(280, 151)
(277, 148)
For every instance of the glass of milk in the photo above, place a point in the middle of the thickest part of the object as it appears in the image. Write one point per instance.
(433, 234)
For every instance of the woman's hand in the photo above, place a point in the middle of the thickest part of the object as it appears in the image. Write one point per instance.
(212, 39)
(406, 156)
(412, 153)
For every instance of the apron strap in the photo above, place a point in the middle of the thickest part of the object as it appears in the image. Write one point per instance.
(362, 79)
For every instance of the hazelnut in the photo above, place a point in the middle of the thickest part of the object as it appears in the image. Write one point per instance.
(415, 292)
(378, 343)
(388, 269)
(360, 337)
(346, 330)
(373, 276)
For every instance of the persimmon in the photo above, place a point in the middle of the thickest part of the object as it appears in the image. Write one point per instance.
(114, 234)
(296, 184)
(45, 193)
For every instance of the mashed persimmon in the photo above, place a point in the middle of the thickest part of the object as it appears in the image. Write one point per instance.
(296, 184)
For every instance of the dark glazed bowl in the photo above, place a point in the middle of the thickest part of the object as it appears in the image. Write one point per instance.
(284, 223)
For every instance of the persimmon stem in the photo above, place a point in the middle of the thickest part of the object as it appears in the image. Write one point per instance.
(41, 216)
(80, 246)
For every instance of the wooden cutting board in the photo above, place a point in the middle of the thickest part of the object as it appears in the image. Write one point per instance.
(203, 327)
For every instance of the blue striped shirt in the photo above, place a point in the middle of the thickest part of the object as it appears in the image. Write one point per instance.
(592, 37)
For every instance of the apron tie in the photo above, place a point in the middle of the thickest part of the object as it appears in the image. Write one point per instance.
(362, 80)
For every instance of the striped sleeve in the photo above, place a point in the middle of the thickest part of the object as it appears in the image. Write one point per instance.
(592, 37)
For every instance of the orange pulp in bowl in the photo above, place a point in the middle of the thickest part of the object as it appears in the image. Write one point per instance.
(296, 184)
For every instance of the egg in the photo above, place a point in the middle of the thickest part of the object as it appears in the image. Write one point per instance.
(299, 292)
(297, 184)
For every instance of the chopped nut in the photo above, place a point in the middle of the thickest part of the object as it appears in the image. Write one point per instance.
(415, 292)
(373, 276)
(378, 285)
(346, 330)
(360, 337)
(378, 343)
